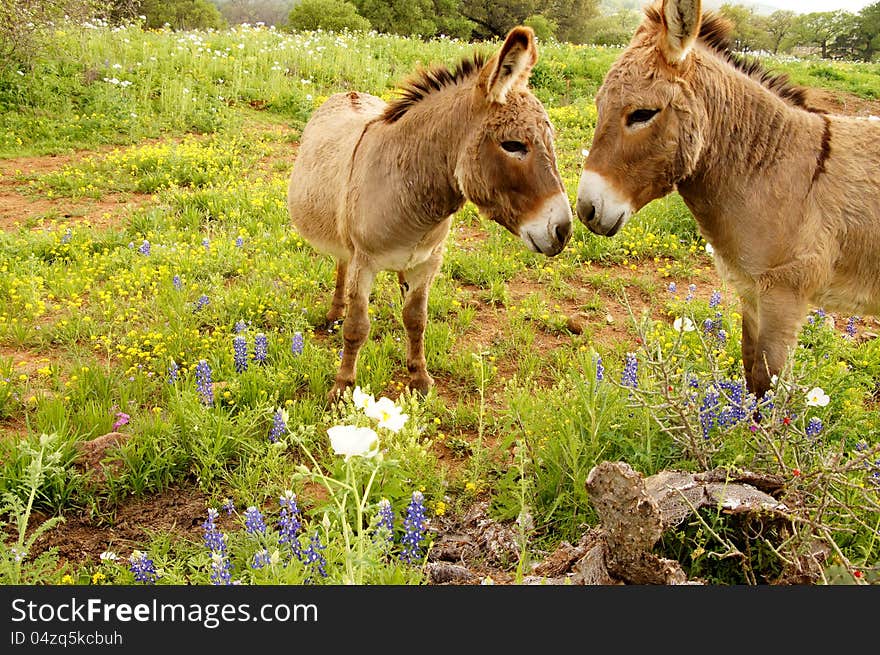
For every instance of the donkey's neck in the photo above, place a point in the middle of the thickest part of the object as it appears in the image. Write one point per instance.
(751, 138)
(422, 148)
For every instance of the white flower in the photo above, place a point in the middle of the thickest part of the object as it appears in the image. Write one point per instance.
(108, 556)
(816, 397)
(361, 399)
(387, 413)
(709, 249)
(349, 440)
(585, 152)
(683, 324)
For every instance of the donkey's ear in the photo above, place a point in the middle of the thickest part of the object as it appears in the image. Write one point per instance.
(681, 25)
(512, 65)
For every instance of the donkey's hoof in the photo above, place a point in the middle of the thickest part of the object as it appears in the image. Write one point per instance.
(336, 392)
(421, 384)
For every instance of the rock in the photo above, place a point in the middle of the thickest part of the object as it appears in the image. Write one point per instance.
(574, 325)
(446, 573)
(92, 453)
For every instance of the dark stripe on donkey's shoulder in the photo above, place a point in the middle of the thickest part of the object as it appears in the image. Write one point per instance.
(824, 150)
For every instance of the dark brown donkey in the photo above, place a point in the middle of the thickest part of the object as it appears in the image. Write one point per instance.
(788, 196)
(375, 185)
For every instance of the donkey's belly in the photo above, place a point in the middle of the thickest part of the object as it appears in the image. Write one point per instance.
(406, 257)
(850, 296)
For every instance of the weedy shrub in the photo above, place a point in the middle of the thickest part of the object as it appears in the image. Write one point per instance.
(43, 462)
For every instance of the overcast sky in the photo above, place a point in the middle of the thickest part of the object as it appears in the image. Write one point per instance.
(808, 6)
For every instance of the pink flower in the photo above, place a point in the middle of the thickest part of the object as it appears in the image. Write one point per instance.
(121, 419)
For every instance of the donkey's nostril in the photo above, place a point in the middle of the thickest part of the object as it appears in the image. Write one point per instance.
(562, 232)
(586, 211)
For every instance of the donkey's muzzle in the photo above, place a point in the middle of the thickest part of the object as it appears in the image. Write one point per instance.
(550, 227)
(599, 206)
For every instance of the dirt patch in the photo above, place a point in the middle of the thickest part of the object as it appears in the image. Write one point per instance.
(840, 102)
(80, 540)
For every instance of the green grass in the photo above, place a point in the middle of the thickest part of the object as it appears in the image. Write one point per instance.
(93, 317)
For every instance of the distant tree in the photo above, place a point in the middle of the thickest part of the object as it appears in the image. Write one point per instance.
(405, 17)
(613, 29)
(571, 17)
(868, 31)
(780, 26)
(334, 15)
(496, 17)
(269, 12)
(749, 29)
(544, 28)
(181, 14)
(820, 29)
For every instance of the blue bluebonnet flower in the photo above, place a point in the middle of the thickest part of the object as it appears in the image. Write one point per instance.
(201, 302)
(206, 242)
(691, 289)
(143, 568)
(239, 347)
(816, 316)
(312, 556)
(212, 536)
(144, 248)
(203, 382)
(709, 411)
(67, 236)
(629, 377)
(279, 426)
(851, 325)
(414, 527)
(672, 287)
(253, 520)
(239, 242)
(221, 568)
(715, 299)
(261, 559)
(289, 523)
(177, 282)
(173, 372)
(228, 507)
(296, 343)
(814, 427)
(240, 326)
(261, 347)
(385, 521)
(600, 369)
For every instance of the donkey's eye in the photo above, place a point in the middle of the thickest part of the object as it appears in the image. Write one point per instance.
(515, 147)
(641, 116)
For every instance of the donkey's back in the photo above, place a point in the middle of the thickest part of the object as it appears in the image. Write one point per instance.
(318, 182)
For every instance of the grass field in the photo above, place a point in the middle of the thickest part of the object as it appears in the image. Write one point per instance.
(164, 364)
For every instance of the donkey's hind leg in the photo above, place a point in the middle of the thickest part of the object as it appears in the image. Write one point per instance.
(337, 305)
(415, 318)
(356, 326)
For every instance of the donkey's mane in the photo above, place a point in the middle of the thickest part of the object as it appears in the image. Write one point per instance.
(427, 80)
(715, 33)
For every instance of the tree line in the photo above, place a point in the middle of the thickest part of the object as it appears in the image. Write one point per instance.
(828, 34)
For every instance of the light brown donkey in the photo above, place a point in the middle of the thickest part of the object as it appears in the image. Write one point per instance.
(375, 185)
(788, 196)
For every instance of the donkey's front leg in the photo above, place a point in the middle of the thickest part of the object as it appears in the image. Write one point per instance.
(781, 313)
(356, 326)
(415, 318)
(749, 339)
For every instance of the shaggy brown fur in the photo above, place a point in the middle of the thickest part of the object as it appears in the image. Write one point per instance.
(427, 80)
(789, 197)
(375, 185)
